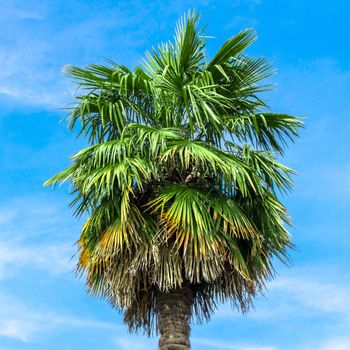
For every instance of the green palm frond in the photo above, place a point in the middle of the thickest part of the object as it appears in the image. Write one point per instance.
(269, 131)
(232, 47)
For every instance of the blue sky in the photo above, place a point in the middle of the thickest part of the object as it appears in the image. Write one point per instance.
(42, 304)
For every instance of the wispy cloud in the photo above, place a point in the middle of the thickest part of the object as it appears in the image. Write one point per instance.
(33, 54)
(38, 43)
(135, 343)
(34, 238)
(320, 296)
(17, 258)
(240, 22)
(18, 10)
(225, 345)
(20, 322)
(332, 344)
(34, 235)
(303, 293)
(30, 217)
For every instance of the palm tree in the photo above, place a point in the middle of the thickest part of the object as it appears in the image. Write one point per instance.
(179, 183)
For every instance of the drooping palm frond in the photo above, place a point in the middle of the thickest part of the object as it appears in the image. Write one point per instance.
(268, 131)
(180, 182)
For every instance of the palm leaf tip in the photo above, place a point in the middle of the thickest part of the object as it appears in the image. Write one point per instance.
(233, 46)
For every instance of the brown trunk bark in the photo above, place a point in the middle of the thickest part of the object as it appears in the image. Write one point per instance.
(174, 314)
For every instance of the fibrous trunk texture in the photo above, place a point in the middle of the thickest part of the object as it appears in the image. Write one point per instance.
(174, 314)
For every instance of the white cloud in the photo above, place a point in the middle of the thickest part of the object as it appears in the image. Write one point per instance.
(19, 10)
(225, 345)
(333, 344)
(18, 321)
(320, 296)
(6, 215)
(240, 22)
(17, 329)
(54, 258)
(34, 216)
(4, 90)
(302, 293)
(38, 42)
(135, 343)
(33, 53)
(313, 297)
(22, 14)
(36, 233)
(250, 3)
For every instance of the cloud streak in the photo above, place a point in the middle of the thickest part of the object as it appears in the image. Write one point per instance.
(17, 258)
(34, 236)
(18, 321)
(225, 345)
(32, 56)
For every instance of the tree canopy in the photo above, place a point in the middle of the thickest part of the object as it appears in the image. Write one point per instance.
(181, 179)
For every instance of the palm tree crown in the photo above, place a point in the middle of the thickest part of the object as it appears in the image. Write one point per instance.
(180, 181)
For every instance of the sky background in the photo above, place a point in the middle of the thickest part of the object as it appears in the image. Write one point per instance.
(42, 305)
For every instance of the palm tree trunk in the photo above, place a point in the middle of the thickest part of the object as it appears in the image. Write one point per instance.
(174, 314)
